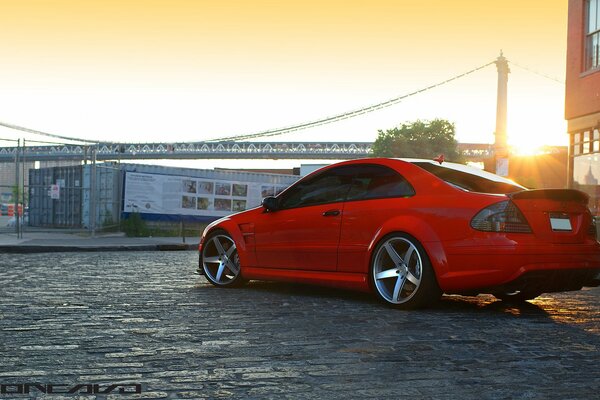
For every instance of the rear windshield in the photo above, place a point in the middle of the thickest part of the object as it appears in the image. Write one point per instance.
(471, 182)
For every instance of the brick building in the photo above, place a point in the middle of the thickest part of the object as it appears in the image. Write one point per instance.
(582, 101)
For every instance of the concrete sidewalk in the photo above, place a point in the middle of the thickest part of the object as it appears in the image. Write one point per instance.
(56, 241)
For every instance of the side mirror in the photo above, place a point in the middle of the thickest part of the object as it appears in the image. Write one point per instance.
(270, 203)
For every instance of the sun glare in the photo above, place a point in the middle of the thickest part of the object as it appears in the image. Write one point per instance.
(530, 139)
(527, 149)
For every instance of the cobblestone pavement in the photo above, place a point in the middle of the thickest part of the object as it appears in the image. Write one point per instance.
(108, 318)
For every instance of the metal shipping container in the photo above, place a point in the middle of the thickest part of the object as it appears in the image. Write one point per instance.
(107, 194)
(61, 212)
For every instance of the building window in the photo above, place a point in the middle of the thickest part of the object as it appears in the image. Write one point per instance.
(592, 35)
(576, 144)
(585, 143)
(586, 171)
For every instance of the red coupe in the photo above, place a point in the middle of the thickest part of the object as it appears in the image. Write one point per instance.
(410, 230)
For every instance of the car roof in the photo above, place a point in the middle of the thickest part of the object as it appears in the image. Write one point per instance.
(461, 168)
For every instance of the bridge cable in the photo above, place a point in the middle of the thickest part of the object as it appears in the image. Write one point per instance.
(346, 115)
(279, 131)
(533, 71)
(36, 132)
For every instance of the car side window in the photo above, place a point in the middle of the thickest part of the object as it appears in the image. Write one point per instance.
(328, 187)
(377, 181)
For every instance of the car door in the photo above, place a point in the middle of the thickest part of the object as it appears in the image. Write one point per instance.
(304, 232)
(378, 193)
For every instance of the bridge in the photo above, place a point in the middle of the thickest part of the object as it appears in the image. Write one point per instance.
(192, 150)
(236, 147)
(212, 150)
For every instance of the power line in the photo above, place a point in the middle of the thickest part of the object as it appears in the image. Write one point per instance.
(346, 115)
(554, 79)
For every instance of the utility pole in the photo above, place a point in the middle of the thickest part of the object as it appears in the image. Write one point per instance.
(93, 192)
(23, 169)
(500, 142)
(16, 187)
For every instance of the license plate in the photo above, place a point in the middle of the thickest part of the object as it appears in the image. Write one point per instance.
(560, 222)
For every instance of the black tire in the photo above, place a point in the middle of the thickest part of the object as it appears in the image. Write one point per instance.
(401, 274)
(220, 261)
(517, 296)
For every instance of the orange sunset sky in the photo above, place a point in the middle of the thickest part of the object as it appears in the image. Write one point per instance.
(181, 70)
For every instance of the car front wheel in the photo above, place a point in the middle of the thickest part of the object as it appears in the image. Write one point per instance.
(220, 260)
(401, 273)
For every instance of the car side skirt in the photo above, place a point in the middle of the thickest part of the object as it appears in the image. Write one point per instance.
(353, 281)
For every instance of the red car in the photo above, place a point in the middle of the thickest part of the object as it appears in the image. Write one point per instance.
(410, 230)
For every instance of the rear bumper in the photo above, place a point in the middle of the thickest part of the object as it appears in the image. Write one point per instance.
(550, 267)
(546, 281)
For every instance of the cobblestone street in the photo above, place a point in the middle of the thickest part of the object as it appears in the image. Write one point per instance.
(143, 317)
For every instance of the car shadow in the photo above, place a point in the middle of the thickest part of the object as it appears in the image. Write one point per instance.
(487, 304)
(447, 303)
(307, 290)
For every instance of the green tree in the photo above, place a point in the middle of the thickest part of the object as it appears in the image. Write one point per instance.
(419, 139)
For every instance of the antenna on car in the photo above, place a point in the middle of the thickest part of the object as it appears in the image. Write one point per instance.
(440, 159)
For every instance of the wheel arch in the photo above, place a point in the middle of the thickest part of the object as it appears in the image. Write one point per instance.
(230, 227)
(420, 231)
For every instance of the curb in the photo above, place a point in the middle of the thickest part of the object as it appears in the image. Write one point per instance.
(22, 249)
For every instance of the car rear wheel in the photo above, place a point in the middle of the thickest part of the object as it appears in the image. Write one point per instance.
(401, 273)
(220, 260)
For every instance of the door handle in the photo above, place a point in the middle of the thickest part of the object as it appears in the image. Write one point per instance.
(331, 213)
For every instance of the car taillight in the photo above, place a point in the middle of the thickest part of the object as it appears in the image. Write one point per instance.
(501, 217)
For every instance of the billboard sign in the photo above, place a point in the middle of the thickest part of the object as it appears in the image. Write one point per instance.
(183, 195)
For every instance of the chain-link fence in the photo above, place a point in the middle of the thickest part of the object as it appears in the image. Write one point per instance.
(69, 195)
(11, 184)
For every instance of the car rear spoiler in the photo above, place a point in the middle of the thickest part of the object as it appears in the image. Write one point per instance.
(551, 194)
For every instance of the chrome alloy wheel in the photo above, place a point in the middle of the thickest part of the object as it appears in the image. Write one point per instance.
(220, 260)
(397, 270)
